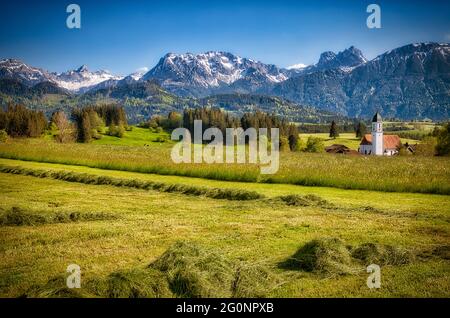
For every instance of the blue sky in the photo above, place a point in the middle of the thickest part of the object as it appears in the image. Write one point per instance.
(122, 36)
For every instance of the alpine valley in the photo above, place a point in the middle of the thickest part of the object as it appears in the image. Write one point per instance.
(410, 82)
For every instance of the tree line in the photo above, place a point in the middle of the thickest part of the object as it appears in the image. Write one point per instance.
(91, 121)
(215, 117)
(19, 121)
(84, 124)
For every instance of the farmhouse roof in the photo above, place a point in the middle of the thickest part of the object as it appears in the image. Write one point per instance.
(336, 147)
(389, 141)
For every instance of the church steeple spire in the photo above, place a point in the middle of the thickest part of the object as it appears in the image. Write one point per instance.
(377, 118)
(377, 135)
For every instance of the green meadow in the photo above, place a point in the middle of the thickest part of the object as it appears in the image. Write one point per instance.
(130, 228)
(418, 174)
(139, 225)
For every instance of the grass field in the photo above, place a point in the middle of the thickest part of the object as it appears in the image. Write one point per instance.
(393, 174)
(140, 225)
(136, 137)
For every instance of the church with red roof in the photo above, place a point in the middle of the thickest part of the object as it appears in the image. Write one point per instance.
(376, 143)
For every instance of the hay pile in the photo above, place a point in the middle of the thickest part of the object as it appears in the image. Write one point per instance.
(196, 272)
(56, 288)
(305, 200)
(380, 254)
(188, 270)
(253, 281)
(137, 283)
(328, 256)
(442, 251)
(193, 271)
(184, 270)
(333, 256)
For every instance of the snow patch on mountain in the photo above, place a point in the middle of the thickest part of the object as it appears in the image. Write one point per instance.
(82, 79)
(298, 66)
(137, 75)
(16, 69)
(212, 70)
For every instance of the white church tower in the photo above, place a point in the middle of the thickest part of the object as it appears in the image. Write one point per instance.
(377, 135)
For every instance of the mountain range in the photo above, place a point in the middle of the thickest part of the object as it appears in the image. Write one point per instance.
(410, 82)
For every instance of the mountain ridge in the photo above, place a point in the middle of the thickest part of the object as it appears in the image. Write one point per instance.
(409, 82)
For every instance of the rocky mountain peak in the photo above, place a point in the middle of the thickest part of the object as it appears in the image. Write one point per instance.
(83, 68)
(202, 73)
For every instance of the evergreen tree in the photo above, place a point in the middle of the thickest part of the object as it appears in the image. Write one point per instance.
(443, 140)
(333, 130)
(360, 129)
(293, 137)
(18, 121)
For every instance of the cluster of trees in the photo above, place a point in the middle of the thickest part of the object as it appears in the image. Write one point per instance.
(18, 121)
(85, 124)
(215, 117)
(436, 143)
(443, 140)
(111, 114)
(333, 129)
(159, 123)
(343, 127)
(90, 122)
(210, 117)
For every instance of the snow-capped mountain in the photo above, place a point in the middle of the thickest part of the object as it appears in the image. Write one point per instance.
(412, 81)
(77, 81)
(409, 82)
(346, 61)
(81, 79)
(17, 70)
(118, 81)
(137, 75)
(201, 74)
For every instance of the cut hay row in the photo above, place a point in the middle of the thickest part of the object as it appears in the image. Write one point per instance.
(214, 193)
(19, 217)
(70, 176)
